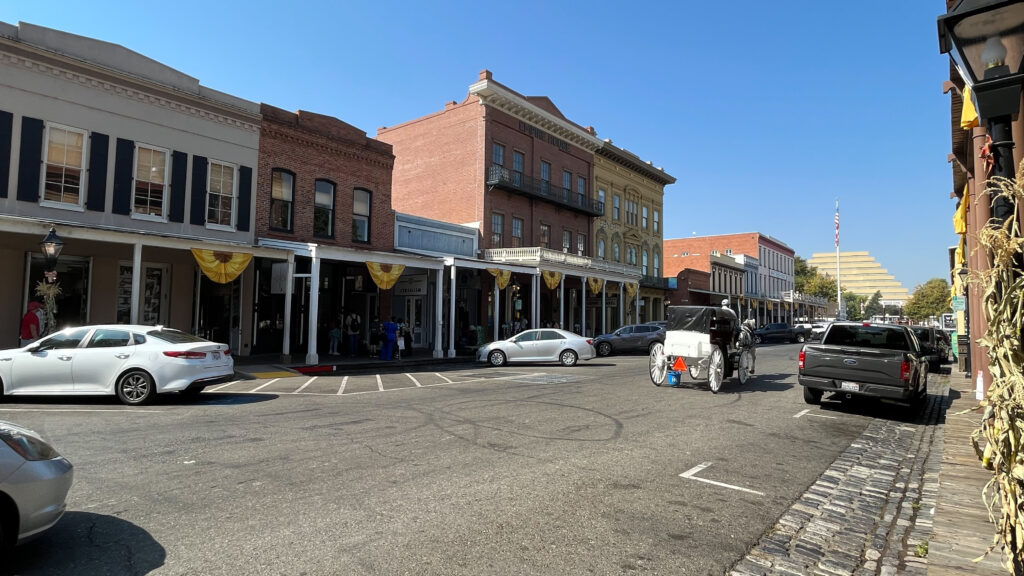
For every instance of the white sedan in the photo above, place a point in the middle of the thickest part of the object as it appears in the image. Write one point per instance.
(538, 345)
(133, 362)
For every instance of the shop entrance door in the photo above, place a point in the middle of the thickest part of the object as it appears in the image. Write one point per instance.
(414, 318)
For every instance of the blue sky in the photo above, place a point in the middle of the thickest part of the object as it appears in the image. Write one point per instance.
(765, 112)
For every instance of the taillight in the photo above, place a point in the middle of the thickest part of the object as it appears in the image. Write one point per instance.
(226, 352)
(800, 360)
(186, 355)
(590, 341)
(904, 370)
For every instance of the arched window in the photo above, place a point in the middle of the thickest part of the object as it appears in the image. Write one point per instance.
(644, 268)
(657, 267)
(615, 252)
(600, 248)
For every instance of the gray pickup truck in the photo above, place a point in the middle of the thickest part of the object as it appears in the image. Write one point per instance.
(864, 359)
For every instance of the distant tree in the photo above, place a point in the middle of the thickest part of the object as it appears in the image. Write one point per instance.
(821, 286)
(854, 303)
(874, 305)
(929, 299)
(801, 273)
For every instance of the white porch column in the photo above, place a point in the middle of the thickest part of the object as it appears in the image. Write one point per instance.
(561, 302)
(622, 286)
(636, 304)
(534, 299)
(497, 320)
(137, 281)
(438, 313)
(604, 309)
(289, 288)
(583, 307)
(314, 307)
(451, 314)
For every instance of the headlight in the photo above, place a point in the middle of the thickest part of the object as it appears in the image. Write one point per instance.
(26, 443)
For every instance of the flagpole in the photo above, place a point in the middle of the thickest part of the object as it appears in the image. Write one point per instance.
(839, 289)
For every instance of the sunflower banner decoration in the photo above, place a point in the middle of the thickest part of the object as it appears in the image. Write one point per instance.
(595, 284)
(221, 267)
(551, 279)
(631, 289)
(385, 275)
(503, 276)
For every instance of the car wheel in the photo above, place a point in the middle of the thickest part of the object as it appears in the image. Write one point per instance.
(716, 370)
(496, 358)
(135, 388)
(758, 339)
(568, 358)
(604, 349)
(812, 396)
(658, 365)
(800, 338)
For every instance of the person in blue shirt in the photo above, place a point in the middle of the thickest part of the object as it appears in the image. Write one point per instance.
(390, 335)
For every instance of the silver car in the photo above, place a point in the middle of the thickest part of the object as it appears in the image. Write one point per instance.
(538, 345)
(34, 482)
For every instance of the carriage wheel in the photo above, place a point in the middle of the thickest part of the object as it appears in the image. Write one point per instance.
(716, 370)
(658, 364)
(743, 370)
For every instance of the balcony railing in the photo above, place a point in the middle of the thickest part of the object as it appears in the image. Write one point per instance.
(517, 182)
(654, 282)
(536, 256)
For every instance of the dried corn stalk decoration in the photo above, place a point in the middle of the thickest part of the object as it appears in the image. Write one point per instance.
(999, 442)
(49, 292)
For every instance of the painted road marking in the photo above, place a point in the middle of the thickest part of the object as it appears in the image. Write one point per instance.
(75, 410)
(528, 378)
(262, 386)
(223, 386)
(303, 387)
(807, 413)
(689, 474)
(443, 378)
(344, 381)
(414, 380)
(380, 385)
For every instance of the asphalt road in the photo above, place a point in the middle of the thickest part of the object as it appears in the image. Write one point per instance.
(535, 469)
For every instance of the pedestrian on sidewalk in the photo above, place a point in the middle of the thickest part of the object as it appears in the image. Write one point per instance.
(31, 327)
(335, 337)
(353, 327)
(390, 335)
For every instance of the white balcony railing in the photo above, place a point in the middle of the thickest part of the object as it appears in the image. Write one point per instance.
(537, 256)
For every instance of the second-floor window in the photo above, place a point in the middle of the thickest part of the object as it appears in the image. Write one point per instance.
(517, 232)
(64, 161)
(361, 215)
(498, 155)
(545, 177)
(600, 248)
(566, 185)
(566, 240)
(600, 197)
(220, 201)
(581, 244)
(643, 222)
(497, 229)
(545, 235)
(657, 266)
(615, 252)
(149, 196)
(657, 219)
(323, 209)
(581, 189)
(631, 212)
(615, 208)
(644, 263)
(518, 162)
(282, 188)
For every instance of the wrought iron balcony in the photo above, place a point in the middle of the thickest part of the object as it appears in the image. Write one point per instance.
(519, 183)
(654, 282)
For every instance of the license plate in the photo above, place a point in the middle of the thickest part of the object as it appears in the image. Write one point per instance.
(216, 355)
(850, 386)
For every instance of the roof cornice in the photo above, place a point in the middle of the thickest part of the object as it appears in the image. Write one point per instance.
(633, 162)
(499, 97)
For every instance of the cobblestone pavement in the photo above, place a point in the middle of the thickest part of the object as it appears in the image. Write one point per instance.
(871, 511)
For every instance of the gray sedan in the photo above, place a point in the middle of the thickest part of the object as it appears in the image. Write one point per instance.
(538, 345)
(34, 482)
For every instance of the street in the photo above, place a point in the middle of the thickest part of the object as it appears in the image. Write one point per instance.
(528, 469)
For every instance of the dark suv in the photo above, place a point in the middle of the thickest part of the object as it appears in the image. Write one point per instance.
(933, 346)
(632, 338)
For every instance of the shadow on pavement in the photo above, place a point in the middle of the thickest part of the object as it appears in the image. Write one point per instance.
(87, 543)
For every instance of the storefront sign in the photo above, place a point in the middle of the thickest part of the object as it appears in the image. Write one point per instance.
(411, 285)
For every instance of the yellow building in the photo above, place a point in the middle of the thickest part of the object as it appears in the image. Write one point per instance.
(631, 229)
(861, 274)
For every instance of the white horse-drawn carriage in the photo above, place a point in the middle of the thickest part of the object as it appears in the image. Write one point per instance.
(701, 340)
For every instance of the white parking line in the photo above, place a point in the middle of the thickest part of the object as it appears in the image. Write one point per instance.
(380, 385)
(223, 386)
(73, 410)
(807, 413)
(414, 381)
(443, 378)
(344, 381)
(262, 386)
(689, 474)
(303, 387)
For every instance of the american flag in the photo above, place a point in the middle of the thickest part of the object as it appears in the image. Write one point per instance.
(837, 224)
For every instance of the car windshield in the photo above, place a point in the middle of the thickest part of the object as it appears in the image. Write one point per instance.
(174, 336)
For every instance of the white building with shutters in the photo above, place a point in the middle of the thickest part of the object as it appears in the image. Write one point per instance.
(134, 164)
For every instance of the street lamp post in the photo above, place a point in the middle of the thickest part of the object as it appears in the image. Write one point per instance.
(965, 338)
(51, 247)
(985, 39)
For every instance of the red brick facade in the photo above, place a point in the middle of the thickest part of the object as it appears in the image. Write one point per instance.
(312, 147)
(699, 249)
(441, 163)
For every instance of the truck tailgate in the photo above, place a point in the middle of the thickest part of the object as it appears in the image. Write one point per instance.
(865, 365)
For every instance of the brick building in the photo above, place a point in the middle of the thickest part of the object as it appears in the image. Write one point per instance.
(774, 279)
(324, 194)
(516, 169)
